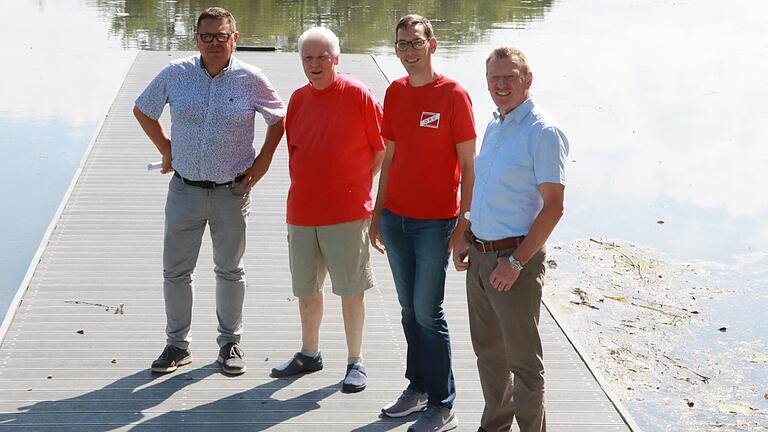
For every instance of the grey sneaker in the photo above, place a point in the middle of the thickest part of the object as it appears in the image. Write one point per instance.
(435, 419)
(170, 359)
(231, 359)
(410, 401)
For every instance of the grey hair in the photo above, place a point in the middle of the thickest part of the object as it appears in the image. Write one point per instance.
(323, 34)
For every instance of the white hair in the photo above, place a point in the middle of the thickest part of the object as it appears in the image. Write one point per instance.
(323, 34)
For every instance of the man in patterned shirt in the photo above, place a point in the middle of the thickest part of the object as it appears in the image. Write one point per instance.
(213, 98)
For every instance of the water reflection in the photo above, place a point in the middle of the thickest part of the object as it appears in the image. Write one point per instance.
(167, 25)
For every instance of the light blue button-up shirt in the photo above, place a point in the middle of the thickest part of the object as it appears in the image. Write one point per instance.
(212, 119)
(519, 152)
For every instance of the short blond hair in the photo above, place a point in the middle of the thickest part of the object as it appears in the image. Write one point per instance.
(509, 52)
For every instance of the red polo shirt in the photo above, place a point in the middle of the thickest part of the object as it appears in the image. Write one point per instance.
(426, 123)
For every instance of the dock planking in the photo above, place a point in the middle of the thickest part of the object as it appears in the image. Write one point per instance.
(77, 347)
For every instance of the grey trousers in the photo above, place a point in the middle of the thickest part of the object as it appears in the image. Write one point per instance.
(187, 211)
(505, 338)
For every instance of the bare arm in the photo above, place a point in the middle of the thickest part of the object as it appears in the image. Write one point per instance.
(553, 195)
(264, 159)
(378, 159)
(156, 133)
(465, 152)
(374, 230)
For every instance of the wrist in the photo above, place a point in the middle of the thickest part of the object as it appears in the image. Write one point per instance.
(515, 263)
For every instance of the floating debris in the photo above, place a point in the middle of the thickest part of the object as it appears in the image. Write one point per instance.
(49, 377)
(736, 408)
(583, 298)
(660, 222)
(703, 378)
(723, 329)
(120, 309)
(80, 332)
(551, 264)
(114, 361)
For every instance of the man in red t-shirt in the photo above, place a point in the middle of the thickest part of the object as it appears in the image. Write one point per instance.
(430, 133)
(335, 149)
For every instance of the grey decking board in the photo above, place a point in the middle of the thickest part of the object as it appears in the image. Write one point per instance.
(106, 248)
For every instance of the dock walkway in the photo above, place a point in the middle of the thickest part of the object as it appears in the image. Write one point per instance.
(77, 349)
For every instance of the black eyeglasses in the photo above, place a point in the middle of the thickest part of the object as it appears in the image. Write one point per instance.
(209, 37)
(415, 44)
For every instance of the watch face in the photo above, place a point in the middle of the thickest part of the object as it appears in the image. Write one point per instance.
(465, 215)
(515, 263)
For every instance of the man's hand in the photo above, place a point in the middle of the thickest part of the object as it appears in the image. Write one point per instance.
(460, 254)
(166, 167)
(503, 276)
(255, 172)
(374, 233)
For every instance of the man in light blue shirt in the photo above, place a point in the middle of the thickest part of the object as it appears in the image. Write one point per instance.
(213, 99)
(516, 202)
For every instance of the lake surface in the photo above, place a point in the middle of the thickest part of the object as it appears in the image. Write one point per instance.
(664, 103)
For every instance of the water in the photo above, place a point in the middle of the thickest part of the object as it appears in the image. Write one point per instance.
(663, 101)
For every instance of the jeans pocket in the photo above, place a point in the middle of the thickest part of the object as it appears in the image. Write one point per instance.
(176, 184)
(237, 190)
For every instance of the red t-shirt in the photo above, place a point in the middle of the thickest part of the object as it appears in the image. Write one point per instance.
(332, 134)
(426, 123)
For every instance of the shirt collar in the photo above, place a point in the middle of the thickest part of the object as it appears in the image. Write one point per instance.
(230, 65)
(518, 114)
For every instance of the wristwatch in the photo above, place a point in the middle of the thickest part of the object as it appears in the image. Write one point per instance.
(465, 215)
(515, 263)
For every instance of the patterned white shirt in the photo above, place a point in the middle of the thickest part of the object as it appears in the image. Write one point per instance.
(212, 119)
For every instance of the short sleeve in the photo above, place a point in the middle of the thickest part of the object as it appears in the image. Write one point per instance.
(550, 156)
(389, 112)
(152, 100)
(463, 120)
(267, 101)
(373, 117)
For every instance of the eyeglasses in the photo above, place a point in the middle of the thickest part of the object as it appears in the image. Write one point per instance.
(415, 44)
(209, 37)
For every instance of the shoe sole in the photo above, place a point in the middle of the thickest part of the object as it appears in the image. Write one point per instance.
(351, 389)
(230, 371)
(415, 409)
(185, 361)
(277, 374)
(451, 425)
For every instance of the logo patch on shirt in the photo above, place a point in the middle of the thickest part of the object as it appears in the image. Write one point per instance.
(430, 119)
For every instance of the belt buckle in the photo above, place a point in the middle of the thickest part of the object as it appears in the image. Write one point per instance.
(481, 243)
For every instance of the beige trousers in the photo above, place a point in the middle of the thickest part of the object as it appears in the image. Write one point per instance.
(505, 337)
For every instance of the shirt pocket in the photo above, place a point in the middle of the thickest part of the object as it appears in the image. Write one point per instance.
(233, 110)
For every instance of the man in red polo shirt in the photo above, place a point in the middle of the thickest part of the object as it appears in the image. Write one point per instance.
(430, 133)
(335, 149)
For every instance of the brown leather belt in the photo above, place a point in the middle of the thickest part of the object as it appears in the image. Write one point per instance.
(493, 245)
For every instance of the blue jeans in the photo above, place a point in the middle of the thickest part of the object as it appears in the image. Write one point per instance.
(417, 250)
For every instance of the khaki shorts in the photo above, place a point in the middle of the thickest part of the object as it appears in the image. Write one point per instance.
(341, 250)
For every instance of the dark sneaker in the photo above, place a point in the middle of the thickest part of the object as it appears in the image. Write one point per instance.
(355, 379)
(231, 359)
(410, 401)
(299, 364)
(435, 419)
(171, 358)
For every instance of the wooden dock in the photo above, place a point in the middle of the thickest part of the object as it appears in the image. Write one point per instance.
(77, 348)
